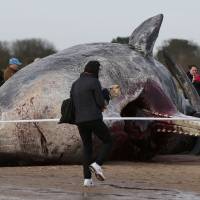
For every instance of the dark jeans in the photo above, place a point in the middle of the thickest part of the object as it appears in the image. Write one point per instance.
(99, 128)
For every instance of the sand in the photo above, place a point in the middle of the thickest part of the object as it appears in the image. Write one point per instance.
(166, 177)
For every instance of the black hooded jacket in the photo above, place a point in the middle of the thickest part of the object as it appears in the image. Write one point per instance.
(87, 97)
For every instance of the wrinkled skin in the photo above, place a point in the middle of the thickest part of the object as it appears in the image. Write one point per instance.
(148, 89)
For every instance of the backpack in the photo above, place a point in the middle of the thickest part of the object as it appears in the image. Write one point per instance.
(67, 112)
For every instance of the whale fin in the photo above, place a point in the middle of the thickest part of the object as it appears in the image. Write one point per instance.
(145, 35)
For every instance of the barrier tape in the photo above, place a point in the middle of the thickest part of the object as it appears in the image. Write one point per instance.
(109, 118)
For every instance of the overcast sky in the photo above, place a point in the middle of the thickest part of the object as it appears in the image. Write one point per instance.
(69, 22)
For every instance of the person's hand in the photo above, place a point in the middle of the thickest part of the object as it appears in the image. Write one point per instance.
(115, 90)
(103, 109)
(193, 78)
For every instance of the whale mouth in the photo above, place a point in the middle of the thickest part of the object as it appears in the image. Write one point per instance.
(152, 102)
(142, 139)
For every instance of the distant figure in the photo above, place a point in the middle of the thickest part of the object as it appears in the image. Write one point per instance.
(36, 59)
(12, 68)
(194, 76)
(1, 78)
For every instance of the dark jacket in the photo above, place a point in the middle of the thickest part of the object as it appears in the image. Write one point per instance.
(8, 72)
(189, 76)
(1, 78)
(87, 97)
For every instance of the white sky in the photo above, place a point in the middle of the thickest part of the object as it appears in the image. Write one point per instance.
(69, 22)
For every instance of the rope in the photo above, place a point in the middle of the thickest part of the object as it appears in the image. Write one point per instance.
(108, 118)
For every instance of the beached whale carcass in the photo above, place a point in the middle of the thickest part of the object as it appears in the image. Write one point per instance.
(148, 89)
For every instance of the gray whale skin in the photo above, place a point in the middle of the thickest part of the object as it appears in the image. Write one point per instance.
(148, 89)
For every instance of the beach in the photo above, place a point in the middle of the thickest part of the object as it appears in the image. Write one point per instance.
(165, 177)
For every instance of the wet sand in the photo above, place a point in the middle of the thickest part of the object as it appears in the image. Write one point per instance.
(166, 177)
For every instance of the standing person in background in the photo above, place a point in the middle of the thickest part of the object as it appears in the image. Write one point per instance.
(89, 103)
(194, 76)
(1, 78)
(12, 68)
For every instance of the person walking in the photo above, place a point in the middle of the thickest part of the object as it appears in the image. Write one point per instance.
(89, 103)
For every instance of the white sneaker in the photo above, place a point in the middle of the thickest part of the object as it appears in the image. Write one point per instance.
(88, 183)
(97, 170)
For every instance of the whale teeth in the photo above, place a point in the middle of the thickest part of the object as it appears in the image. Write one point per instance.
(194, 134)
(176, 128)
(176, 131)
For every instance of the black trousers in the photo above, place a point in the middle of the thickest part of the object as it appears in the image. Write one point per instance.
(99, 128)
